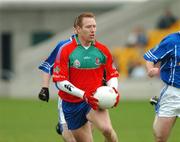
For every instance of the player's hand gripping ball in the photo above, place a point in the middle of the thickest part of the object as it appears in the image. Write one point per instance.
(108, 97)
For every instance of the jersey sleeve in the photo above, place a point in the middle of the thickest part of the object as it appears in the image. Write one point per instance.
(61, 66)
(161, 51)
(47, 65)
(110, 68)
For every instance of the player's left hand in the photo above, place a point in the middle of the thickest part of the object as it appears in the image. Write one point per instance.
(117, 98)
(44, 94)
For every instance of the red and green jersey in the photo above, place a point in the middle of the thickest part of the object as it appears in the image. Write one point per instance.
(82, 67)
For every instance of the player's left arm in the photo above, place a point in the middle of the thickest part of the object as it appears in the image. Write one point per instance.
(110, 70)
(113, 82)
(112, 75)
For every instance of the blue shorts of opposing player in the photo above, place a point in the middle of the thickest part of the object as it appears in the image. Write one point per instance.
(75, 114)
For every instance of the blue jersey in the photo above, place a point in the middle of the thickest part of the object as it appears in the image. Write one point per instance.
(47, 65)
(168, 53)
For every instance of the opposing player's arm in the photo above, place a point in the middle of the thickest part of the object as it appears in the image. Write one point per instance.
(45, 79)
(152, 69)
(46, 68)
(44, 92)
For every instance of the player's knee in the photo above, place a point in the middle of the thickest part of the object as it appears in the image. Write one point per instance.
(69, 139)
(110, 134)
(107, 131)
(159, 138)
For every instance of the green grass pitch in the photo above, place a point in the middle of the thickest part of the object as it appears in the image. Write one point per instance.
(34, 121)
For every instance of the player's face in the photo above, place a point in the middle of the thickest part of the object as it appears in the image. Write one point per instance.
(88, 30)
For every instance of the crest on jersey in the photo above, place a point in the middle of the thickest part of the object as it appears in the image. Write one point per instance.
(56, 69)
(179, 64)
(97, 62)
(76, 63)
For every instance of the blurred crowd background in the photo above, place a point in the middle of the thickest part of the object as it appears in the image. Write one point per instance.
(29, 30)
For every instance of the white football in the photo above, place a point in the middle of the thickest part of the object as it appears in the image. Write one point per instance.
(106, 97)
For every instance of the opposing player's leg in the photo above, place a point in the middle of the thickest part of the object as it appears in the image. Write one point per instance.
(162, 127)
(167, 110)
(61, 127)
(101, 120)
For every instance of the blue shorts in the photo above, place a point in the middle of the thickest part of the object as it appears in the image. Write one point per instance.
(75, 114)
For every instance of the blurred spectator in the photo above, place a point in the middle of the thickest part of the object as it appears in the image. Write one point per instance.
(137, 37)
(137, 40)
(136, 68)
(166, 20)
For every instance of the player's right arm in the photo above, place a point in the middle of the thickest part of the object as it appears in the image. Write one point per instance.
(46, 67)
(69, 88)
(152, 70)
(44, 92)
(155, 55)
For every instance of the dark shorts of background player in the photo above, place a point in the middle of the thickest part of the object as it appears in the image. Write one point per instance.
(75, 114)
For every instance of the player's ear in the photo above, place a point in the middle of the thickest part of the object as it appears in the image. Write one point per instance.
(77, 29)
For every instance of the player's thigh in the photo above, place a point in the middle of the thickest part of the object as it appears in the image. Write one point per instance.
(162, 126)
(67, 134)
(83, 134)
(100, 119)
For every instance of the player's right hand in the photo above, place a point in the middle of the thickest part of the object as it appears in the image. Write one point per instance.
(154, 72)
(89, 98)
(44, 94)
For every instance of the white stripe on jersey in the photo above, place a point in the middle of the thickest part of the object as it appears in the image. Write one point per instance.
(175, 63)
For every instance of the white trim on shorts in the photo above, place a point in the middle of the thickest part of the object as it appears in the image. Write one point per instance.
(60, 112)
(169, 102)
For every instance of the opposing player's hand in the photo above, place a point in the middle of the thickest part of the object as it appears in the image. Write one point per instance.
(153, 72)
(89, 98)
(117, 98)
(44, 94)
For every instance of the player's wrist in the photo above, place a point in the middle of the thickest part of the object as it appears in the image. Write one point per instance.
(85, 96)
(89, 98)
